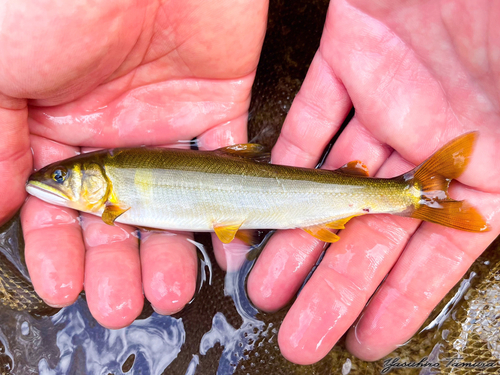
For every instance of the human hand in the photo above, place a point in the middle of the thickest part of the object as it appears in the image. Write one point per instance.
(418, 74)
(109, 74)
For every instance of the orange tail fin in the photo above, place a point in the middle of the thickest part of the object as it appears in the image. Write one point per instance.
(433, 177)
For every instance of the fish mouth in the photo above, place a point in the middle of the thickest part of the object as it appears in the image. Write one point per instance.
(46, 193)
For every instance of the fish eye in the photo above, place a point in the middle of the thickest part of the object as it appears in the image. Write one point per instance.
(59, 175)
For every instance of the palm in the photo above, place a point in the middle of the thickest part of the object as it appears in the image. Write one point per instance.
(111, 75)
(417, 80)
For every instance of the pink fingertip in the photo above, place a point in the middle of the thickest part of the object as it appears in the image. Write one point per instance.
(111, 307)
(226, 134)
(321, 314)
(169, 269)
(230, 257)
(388, 322)
(54, 251)
(112, 272)
(282, 268)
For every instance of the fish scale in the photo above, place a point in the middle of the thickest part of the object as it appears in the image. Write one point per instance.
(187, 200)
(232, 188)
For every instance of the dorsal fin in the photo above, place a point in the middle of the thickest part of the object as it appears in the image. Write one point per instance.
(253, 151)
(356, 168)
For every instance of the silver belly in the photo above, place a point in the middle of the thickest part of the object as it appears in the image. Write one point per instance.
(180, 200)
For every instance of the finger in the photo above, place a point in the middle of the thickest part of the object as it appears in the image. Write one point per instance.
(169, 268)
(357, 143)
(282, 268)
(112, 272)
(230, 256)
(53, 240)
(179, 145)
(46, 151)
(271, 286)
(433, 262)
(316, 114)
(157, 113)
(338, 290)
(405, 94)
(15, 155)
(230, 133)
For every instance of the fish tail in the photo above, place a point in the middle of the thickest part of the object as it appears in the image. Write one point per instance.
(433, 178)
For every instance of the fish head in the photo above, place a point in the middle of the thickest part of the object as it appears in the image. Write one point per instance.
(73, 183)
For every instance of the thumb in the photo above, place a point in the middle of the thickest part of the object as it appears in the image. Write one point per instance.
(15, 155)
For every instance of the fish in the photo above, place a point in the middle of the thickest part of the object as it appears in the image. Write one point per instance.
(236, 188)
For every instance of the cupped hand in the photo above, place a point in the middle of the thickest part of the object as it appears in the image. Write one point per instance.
(418, 74)
(103, 74)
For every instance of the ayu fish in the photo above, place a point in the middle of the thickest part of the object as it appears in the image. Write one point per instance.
(235, 188)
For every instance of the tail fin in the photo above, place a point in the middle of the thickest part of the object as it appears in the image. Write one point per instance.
(434, 176)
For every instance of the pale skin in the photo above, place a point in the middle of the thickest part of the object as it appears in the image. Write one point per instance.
(108, 74)
(418, 74)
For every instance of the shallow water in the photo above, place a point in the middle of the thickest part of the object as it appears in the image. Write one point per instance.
(72, 342)
(219, 332)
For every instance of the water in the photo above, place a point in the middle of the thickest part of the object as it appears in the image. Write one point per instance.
(221, 332)
(72, 342)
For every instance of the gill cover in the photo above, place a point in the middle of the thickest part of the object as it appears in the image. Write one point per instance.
(97, 190)
(94, 187)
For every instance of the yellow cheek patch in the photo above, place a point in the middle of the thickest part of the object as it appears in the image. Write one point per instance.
(93, 190)
(94, 187)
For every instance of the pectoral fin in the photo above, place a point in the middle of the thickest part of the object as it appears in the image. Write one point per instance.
(322, 233)
(356, 168)
(112, 211)
(226, 232)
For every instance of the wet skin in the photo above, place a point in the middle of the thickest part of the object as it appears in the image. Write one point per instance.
(154, 80)
(97, 75)
(418, 74)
